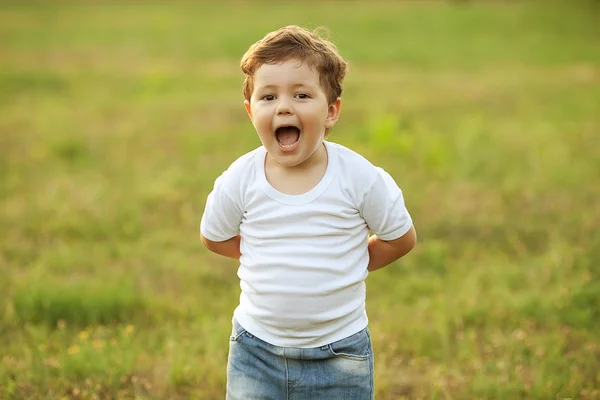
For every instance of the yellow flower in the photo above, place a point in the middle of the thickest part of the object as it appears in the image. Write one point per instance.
(83, 335)
(129, 329)
(73, 350)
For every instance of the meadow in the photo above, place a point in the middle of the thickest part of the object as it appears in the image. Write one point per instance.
(116, 118)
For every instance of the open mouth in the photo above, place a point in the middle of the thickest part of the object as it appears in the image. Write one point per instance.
(287, 137)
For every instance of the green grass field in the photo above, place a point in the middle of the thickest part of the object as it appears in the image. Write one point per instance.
(116, 118)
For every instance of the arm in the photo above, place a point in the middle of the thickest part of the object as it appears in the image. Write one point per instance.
(383, 253)
(228, 248)
(223, 213)
(385, 213)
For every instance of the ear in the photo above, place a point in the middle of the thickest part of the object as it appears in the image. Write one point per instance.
(333, 113)
(248, 109)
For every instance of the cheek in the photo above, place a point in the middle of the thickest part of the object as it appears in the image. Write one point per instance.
(261, 113)
(263, 122)
(257, 117)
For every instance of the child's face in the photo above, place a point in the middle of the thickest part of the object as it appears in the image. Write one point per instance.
(289, 111)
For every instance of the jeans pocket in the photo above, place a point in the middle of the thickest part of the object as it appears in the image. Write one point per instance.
(354, 347)
(236, 332)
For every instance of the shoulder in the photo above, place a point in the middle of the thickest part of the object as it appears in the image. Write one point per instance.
(244, 163)
(242, 168)
(355, 174)
(240, 173)
(354, 165)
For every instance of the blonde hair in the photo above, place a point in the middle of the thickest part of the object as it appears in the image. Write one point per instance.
(292, 42)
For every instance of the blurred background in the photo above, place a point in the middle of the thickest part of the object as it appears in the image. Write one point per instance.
(116, 118)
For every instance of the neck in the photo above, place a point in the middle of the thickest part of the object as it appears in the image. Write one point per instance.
(318, 158)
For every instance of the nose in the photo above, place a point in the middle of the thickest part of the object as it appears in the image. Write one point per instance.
(284, 106)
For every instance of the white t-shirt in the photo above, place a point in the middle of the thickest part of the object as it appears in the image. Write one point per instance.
(304, 257)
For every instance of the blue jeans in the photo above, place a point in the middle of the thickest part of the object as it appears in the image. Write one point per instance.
(257, 370)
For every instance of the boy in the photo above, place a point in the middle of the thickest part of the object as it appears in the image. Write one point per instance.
(297, 212)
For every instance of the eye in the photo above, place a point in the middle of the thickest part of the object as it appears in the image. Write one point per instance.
(268, 97)
(303, 96)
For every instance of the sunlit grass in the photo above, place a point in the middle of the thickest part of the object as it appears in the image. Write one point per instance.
(115, 119)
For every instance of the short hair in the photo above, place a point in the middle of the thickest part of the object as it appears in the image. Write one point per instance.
(292, 42)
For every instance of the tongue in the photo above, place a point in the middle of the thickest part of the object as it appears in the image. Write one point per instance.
(287, 136)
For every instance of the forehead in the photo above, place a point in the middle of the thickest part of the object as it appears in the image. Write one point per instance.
(288, 72)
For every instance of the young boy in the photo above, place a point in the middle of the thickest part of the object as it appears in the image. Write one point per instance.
(297, 212)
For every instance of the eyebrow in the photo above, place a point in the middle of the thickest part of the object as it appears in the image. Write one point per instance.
(294, 86)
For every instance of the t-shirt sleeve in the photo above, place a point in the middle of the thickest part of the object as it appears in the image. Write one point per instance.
(223, 211)
(383, 208)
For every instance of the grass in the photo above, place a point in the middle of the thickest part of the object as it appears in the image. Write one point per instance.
(115, 119)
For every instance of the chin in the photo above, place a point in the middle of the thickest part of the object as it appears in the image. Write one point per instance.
(289, 161)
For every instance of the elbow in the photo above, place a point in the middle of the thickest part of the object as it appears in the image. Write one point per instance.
(410, 240)
(413, 238)
(207, 243)
(213, 247)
